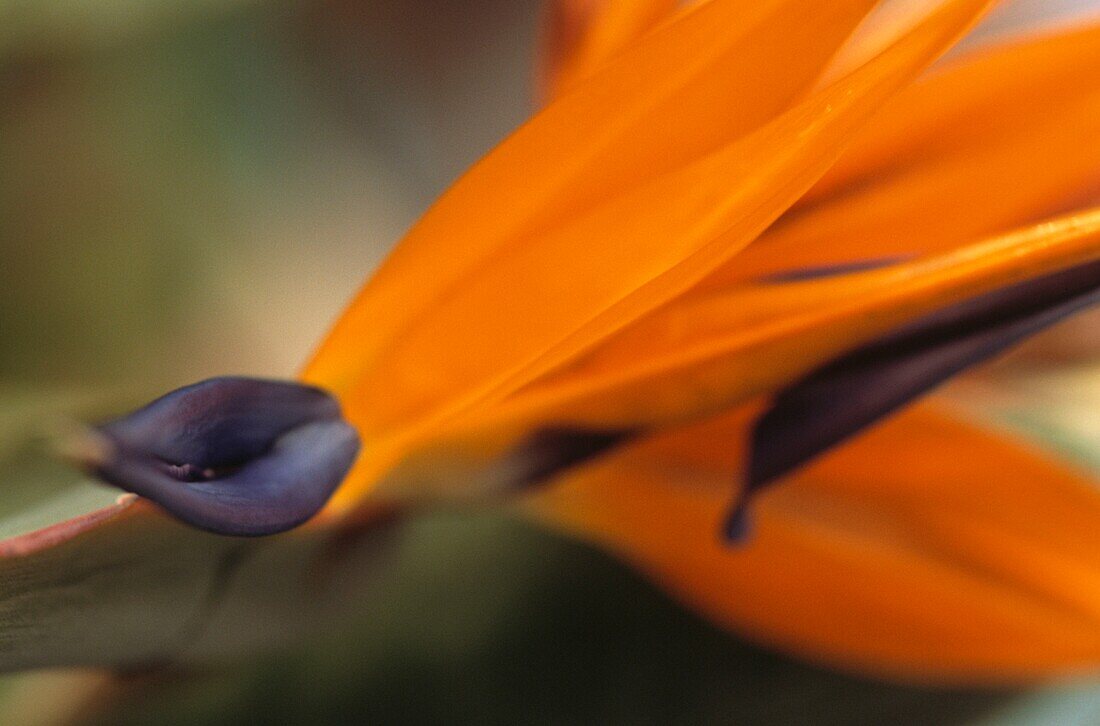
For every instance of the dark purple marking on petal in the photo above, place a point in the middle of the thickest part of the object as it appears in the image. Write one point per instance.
(861, 387)
(804, 274)
(550, 451)
(234, 456)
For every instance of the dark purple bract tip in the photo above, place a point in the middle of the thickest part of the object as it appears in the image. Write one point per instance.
(863, 386)
(234, 456)
(737, 527)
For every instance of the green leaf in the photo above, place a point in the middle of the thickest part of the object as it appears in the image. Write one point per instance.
(486, 620)
(140, 589)
(28, 24)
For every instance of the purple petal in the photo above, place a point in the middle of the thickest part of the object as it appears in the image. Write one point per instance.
(860, 388)
(234, 456)
(552, 450)
(802, 274)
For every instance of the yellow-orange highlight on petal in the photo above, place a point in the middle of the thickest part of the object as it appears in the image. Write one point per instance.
(989, 143)
(812, 321)
(928, 549)
(958, 142)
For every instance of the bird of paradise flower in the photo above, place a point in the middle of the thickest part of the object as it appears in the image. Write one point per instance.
(732, 240)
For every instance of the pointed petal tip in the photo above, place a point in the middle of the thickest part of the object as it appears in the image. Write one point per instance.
(737, 529)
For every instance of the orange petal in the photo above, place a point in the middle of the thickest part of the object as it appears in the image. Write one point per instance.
(695, 85)
(533, 305)
(927, 549)
(995, 141)
(709, 351)
(582, 35)
(706, 353)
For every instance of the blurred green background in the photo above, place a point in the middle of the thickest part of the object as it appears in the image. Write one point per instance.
(196, 187)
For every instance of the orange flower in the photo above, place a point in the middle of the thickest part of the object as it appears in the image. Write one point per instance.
(671, 244)
(732, 240)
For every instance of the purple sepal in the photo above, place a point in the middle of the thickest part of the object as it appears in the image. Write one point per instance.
(234, 456)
